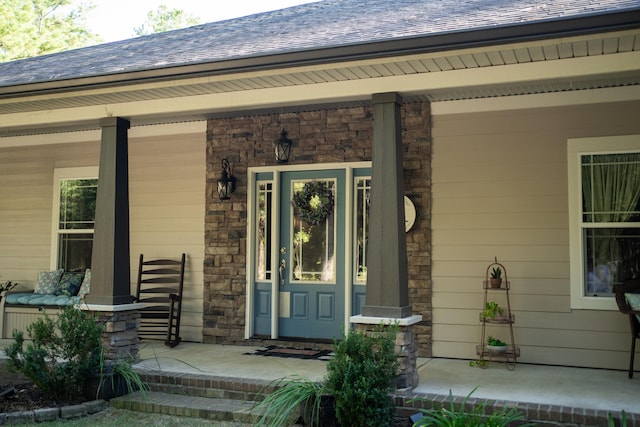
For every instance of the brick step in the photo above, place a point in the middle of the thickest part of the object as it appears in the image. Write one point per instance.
(235, 412)
(204, 385)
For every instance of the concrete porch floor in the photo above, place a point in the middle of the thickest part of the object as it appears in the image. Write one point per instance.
(595, 389)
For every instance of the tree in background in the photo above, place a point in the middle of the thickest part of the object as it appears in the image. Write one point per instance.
(165, 19)
(37, 27)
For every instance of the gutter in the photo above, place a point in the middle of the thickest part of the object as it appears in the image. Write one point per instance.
(540, 30)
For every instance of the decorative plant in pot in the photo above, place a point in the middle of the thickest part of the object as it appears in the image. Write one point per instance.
(493, 311)
(496, 278)
(495, 345)
(113, 380)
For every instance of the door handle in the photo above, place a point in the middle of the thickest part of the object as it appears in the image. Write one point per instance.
(282, 269)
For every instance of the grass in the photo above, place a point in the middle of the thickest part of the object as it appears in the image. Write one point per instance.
(112, 417)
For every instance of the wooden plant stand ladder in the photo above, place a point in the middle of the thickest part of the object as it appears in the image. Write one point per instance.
(510, 356)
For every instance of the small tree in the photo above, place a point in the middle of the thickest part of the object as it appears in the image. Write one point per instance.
(63, 352)
(165, 19)
(37, 27)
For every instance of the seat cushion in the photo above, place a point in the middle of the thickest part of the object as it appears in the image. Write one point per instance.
(48, 282)
(634, 302)
(42, 300)
(15, 297)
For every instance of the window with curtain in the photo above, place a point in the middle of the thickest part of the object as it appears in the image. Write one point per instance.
(610, 220)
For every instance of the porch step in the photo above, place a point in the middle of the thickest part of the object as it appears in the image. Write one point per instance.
(210, 397)
(236, 412)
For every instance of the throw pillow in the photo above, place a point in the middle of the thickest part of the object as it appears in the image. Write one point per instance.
(70, 284)
(48, 282)
(85, 288)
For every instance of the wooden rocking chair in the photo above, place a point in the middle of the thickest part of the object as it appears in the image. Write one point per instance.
(160, 284)
(633, 287)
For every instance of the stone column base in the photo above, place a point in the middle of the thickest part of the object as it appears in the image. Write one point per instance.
(406, 347)
(120, 330)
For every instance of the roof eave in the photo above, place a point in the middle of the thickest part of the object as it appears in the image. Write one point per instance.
(583, 25)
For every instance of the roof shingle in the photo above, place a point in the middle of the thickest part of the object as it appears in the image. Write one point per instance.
(320, 25)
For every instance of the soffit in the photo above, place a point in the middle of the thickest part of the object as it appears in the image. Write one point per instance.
(424, 64)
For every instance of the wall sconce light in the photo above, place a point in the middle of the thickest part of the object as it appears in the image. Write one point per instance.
(227, 182)
(283, 147)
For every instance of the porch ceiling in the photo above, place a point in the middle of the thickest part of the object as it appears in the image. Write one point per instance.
(622, 47)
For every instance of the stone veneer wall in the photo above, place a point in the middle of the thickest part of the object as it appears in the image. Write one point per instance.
(324, 136)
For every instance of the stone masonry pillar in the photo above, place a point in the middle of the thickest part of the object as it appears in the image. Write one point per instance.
(120, 334)
(387, 296)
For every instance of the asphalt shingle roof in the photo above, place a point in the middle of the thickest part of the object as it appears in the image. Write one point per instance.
(320, 25)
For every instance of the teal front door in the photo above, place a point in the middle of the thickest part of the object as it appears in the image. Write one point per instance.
(311, 259)
(306, 247)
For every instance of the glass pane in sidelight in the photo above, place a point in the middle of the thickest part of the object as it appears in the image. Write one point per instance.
(263, 234)
(363, 189)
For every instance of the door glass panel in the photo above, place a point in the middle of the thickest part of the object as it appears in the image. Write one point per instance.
(263, 235)
(314, 228)
(363, 188)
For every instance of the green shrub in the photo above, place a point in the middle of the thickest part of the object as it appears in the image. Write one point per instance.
(291, 397)
(61, 354)
(452, 417)
(361, 378)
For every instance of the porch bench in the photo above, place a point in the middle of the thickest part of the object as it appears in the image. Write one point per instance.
(20, 309)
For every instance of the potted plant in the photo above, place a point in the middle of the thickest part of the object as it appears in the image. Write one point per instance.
(495, 345)
(493, 311)
(113, 380)
(496, 278)
(287, 398)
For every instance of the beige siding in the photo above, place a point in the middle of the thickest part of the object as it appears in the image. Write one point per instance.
(26, 199)
(167, 193)
(500, 190)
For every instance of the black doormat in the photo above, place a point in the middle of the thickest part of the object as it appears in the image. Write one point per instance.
(297, 353)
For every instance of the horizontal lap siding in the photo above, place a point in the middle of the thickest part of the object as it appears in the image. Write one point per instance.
(500, 190)
(26, 199)
(167, 192)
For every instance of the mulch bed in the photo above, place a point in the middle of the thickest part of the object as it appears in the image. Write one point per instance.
(27, 397)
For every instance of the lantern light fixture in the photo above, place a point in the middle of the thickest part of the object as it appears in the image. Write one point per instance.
(283, 147)
(226, 182)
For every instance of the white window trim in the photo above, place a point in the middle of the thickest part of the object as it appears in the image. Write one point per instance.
(59, 174)
(575, 148)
